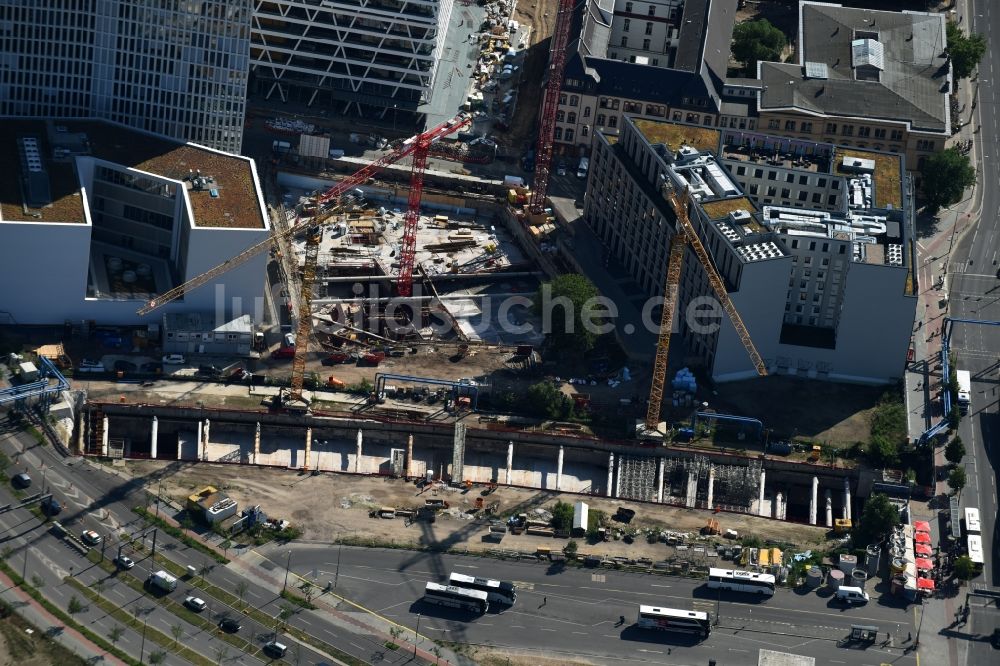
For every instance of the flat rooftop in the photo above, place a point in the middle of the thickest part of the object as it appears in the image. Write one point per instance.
(673, 136)
(236, 206)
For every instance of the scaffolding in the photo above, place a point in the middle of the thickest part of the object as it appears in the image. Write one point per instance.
(637, 479)
(735, 487)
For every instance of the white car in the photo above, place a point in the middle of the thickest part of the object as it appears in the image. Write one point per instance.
(91, 538)
(124, 562)
(195, 604)
(173, 359)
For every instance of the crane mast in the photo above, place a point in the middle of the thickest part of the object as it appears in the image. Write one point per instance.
(550, 107)
(686, 235)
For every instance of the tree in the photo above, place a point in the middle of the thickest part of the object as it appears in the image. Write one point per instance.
(177, 630)
(965, 568)
(115, 634)
(569, 314)
(570, 549)
(946, 174)
(157, 657)
(545, 400)
(965, 52)
(562, 516)
(877, 520)
(755, 41)
(954, 451)
(882, 452)
(221, 653)
(241, 589)
(37, 581)
(956, 480)
(74, 606)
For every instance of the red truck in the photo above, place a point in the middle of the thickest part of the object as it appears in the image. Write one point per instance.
(373, 358)
(284, 352)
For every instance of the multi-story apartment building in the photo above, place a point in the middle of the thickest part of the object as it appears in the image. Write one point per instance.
(177, 69)
(662, 59)
(814, 243)
(97, 218)
(357, 56)
(864, 78)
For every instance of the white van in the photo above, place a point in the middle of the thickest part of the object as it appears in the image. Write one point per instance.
(581, 170)
(852, 595)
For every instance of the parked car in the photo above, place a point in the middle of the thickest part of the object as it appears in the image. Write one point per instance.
(90, 537)
(198, 605)
(561, 169)
(21, 480)
(209, 370)
(174, 359)
(124, 562)
(229, 625)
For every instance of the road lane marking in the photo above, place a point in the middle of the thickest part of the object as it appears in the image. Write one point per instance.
(655, 585)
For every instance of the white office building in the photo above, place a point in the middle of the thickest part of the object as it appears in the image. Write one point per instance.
(356, 57)
(814, 244)
(178, 69)
(96, 219)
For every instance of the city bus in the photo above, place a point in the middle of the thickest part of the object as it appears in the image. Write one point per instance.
(497, 590)
(974, 546)
(672, 619)
(456, 597)
(972, 525)
(741, 581)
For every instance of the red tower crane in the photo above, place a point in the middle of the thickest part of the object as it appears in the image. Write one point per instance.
(550, 106)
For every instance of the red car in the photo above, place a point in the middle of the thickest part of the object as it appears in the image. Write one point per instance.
(284, 352)
(336, 357)
(373, 358)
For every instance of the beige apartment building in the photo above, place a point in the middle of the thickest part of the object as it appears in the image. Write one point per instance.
(869, 79)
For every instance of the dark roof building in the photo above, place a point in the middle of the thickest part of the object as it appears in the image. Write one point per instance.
(879, 65)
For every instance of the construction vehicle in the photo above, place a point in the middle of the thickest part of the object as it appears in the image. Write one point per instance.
(325, 207)
(684, 237)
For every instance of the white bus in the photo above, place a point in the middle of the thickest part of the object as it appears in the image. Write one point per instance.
(741, 581)
(972, 525)
(456, 597)
(672, 619)
(974, 544)
(964, 390)
(497, 590)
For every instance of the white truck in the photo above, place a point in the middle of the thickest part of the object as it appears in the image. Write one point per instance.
(163, 581)
(964, 390)
(281, 147)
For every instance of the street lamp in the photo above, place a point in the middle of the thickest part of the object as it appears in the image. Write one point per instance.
(288, 562)
(416, 636)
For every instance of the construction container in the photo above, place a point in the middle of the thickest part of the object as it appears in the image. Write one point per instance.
(847, 563)
(872, 557)
(859, 577)
(580, 518)
(841, 525)
(835, 579)
(814, 577)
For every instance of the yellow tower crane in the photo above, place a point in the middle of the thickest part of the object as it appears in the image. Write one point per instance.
(686, 236)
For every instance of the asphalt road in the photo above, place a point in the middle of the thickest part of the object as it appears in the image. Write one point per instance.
(93, 499)
(568, 612)
(974, 293)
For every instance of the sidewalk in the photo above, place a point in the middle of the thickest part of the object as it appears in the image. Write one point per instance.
(50, 625)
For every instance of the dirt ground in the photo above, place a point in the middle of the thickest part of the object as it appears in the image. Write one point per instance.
(541, 16)
(18, 648)
(344, 514)
(838, 414)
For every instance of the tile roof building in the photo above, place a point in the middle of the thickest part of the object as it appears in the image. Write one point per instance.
(657, 59)
(865, 78)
